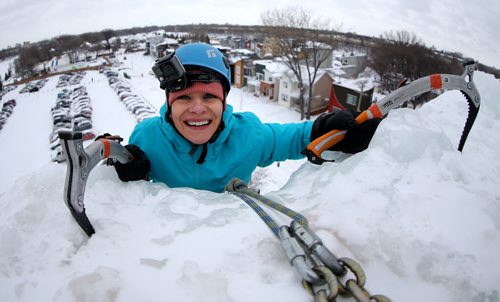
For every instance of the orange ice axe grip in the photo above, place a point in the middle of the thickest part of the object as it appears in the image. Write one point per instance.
(328, 140)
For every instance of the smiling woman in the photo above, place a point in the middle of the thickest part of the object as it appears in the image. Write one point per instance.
(198, 141)
(197, 111)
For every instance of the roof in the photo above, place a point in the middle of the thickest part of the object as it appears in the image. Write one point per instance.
(356, 84)
(168, 41)
(242, 51)
(274, 67)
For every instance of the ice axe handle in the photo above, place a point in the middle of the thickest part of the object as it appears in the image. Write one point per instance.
(329, 139)
(113, 149)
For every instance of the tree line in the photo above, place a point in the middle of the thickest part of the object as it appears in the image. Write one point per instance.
(30, 55)
(402, 55)
(394, 56)
(34, 53)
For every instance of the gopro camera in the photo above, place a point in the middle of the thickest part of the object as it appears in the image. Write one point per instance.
(174, 77)
(170, 73)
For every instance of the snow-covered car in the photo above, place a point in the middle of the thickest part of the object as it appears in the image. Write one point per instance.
(57, 155)
(142, 110)
(140, 117)
(84, 125)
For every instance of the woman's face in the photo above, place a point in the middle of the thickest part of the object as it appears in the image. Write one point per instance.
(197, 116)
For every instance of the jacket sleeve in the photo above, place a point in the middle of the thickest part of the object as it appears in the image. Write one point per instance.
(284, 141)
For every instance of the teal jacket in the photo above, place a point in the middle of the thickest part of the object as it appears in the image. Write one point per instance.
(242, 145)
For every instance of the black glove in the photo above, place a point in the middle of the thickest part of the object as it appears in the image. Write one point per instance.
(357, 137)
(106, 135)
(137, 169)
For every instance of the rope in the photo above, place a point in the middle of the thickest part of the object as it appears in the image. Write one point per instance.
(262, 214)
(318, 267)
(240, 189)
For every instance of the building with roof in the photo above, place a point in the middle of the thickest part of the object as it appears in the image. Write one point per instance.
(355, 95)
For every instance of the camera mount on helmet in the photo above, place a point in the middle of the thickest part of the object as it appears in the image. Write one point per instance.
(173, 76)
(169, 72)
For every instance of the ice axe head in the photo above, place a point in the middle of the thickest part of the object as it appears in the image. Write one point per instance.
(471, 93)
(80, 161)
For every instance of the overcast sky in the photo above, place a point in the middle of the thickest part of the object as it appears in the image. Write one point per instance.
(470, 27)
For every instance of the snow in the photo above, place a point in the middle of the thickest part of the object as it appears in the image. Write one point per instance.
(275, 68)
(421, 218)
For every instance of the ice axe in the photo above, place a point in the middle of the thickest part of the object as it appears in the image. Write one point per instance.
(80, 161)
(463, 82)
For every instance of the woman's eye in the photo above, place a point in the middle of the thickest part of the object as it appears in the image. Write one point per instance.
(184, 97)
(210, 96)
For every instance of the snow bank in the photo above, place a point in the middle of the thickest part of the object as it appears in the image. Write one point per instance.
(420, 217)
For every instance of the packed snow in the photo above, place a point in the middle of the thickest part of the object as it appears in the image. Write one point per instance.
(421, 218)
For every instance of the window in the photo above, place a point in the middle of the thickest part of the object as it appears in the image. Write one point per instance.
(284, 98)
(285, 84)
(352, 99)
(248, 72)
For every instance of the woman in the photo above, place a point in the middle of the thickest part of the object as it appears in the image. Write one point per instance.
(199, 142)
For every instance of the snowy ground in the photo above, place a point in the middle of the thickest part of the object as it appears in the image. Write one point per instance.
(421, 218)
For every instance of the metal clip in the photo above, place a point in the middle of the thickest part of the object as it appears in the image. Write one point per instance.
(315, 246)
(297, 256)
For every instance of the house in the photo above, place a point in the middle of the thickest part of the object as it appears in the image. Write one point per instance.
(242, 70)
(268, 73)
(242, 67)
(354, 95)
(260, 50)
(151, 43)
(289, 90)
(321, 92)
(353, 64)
(289, 93)
(250, 44)
(225, 50)
(165, 47)
(235, 42)
(158, 46)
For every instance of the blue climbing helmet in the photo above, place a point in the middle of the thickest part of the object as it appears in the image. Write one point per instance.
(205, 57)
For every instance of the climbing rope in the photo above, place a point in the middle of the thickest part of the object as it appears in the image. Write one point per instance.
(240, 189)
(321, 271)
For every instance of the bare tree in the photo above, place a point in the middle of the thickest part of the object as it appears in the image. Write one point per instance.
(116, 44)
(402, 37)
(8, 74)
(71, 45)
(108, 34)
(362, 83)
(25, 63)
(402, 54)
(302, 40)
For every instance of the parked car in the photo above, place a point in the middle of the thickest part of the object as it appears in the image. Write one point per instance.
(57, 155)
(84, 125)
